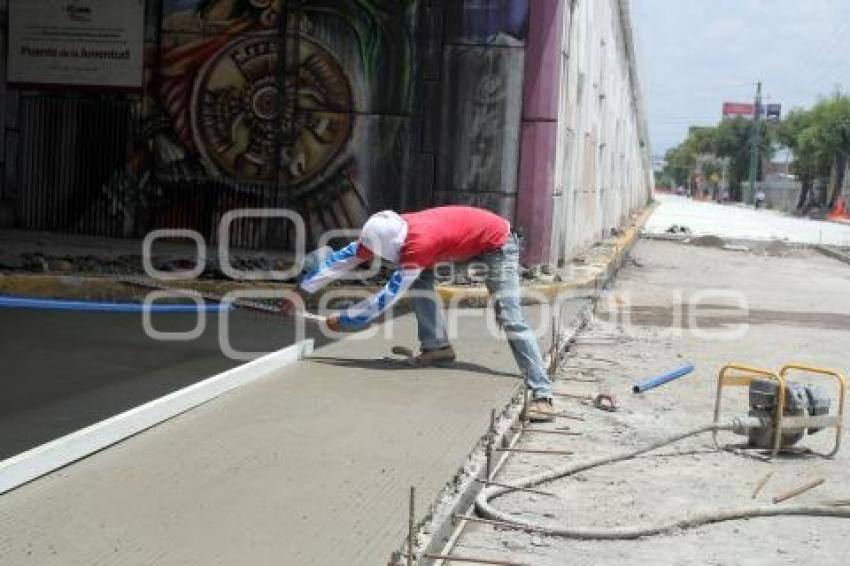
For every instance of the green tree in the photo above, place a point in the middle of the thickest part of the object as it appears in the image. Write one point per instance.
(731, 138)
(820, 140)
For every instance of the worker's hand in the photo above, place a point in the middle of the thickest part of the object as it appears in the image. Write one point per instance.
(288, 308)
(293, 302)
(332, 323)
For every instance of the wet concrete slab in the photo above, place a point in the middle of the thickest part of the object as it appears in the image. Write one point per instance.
(64, 370)
(310, 465)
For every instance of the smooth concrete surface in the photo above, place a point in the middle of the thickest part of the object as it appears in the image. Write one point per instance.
(64, 370)
(311, 465)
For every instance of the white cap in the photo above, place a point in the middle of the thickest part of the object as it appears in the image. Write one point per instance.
(384, 234)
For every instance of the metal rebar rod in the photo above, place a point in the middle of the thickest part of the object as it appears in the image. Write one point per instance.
(524, 415)
(411, 532)
(488, 448)
(535, 451)
(472, 560)
(515, 488)
(760, 485)
(572, 396)
(544, 431)
(557, 415)
(568, 416)
(798, 490)
(500, 524)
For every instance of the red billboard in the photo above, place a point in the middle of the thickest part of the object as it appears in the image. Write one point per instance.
(733, 109)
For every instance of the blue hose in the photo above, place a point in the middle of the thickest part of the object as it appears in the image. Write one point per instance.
(92, 306)
(663, 378)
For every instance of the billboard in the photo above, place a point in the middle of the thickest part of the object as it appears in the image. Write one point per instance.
(96, 43)
(735, 109)
(774, 112)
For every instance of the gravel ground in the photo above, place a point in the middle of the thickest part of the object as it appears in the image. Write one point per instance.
(797, 308)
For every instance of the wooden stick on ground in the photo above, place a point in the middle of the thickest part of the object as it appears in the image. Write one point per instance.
(760, 485)
(798, 490)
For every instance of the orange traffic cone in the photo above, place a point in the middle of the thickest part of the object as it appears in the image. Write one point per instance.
(839, 211)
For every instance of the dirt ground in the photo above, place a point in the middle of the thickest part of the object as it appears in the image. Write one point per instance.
(797, 308)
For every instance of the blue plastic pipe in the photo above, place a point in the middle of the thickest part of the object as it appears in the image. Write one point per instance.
(90, 306)
(662, 379)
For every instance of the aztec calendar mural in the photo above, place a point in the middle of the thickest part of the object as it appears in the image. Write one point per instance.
(247, 121)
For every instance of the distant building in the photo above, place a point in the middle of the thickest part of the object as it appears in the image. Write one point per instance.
(778, 167)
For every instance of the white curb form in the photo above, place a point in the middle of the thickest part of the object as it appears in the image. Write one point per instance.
(52, 455)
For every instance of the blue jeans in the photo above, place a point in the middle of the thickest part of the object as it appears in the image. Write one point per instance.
(503, 282)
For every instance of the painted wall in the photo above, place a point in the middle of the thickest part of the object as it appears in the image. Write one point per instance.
(480, 103)
(530, 108)
(318, 105)
(336, 109)
(600, 170)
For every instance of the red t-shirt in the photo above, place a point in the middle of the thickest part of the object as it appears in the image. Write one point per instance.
(451, 233)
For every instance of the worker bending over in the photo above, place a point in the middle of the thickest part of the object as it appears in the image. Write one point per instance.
(415, 243)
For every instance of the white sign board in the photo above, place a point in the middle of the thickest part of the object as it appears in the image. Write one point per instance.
(77, 42)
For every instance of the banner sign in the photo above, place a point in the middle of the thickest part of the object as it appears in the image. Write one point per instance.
(743, 109)
(96, 43)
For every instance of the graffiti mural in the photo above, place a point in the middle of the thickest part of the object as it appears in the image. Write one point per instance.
(295, 101)
(239, 115)
(479, 144)
(334, 108)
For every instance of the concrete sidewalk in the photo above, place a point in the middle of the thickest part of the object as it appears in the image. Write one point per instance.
(310, 465)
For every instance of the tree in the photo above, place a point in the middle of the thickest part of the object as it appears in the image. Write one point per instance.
(731, 139)
(820, 140)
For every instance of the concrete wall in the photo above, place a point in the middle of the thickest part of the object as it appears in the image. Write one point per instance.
(601, 168)
(480, 103)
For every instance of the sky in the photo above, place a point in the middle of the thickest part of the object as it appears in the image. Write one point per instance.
(695, 54)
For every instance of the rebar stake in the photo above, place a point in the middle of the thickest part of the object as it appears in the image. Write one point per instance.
(411, 533)
(491, 439)
(525, 419)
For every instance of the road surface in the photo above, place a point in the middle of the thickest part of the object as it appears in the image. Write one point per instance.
(737, 222)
